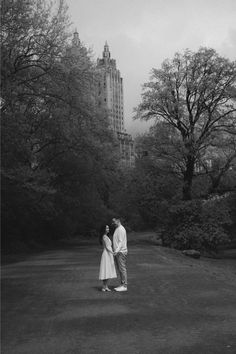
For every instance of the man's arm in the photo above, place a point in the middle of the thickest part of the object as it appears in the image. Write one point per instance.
(120, 237)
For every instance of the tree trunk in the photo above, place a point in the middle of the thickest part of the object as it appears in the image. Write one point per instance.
(215, 181)
(216, 178)
(188, 178)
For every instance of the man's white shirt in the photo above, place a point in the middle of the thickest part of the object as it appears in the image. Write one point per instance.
(120, 240)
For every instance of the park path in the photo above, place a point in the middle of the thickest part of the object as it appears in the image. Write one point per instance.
(52, 303)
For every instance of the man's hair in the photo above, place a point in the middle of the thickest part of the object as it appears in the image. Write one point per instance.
(116, 218)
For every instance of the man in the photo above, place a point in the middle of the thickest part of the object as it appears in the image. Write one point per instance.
(120, 252)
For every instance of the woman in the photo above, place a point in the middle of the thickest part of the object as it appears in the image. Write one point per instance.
(107, 265)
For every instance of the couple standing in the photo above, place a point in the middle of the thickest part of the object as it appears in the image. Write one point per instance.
(118, 252)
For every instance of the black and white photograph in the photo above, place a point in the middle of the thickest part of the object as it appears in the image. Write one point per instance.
(118, 176)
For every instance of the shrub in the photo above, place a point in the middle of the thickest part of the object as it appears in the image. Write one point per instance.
(199, 225)
(200, 237)
(232, 207)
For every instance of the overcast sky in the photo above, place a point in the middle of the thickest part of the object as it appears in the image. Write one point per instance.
(142, 33)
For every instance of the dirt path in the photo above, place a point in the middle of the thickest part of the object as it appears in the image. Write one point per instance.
(52, 304)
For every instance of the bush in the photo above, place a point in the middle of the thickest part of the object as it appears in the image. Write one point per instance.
(200, 237)
(199, 225)
(232, 206)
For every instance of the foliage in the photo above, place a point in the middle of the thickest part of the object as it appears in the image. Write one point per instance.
(232, 209)
(194, 94)
(58, 156)
(197, 225)
(201, 237)
(145, 188)
(60, 170)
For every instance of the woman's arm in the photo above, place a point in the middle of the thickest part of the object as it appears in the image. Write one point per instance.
(107, 244)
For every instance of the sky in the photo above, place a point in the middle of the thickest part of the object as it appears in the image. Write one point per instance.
(141, 34)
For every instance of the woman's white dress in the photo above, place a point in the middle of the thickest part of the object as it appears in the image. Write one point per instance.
(107, 265)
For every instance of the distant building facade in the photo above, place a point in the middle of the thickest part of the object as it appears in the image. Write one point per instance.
(111, 97)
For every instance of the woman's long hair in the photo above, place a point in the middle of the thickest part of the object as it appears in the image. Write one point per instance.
(102, 232)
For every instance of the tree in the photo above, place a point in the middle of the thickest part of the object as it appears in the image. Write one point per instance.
(222, 153)
(33, 39)
(58, 155)
(146, 189)
(195, 94)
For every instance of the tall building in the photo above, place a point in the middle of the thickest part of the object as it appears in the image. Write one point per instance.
(76, 49)
(111, 97)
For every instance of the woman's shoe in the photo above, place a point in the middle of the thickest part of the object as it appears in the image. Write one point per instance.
(106, 289)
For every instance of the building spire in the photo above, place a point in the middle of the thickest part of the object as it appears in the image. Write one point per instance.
(106, 52)
(76, 40)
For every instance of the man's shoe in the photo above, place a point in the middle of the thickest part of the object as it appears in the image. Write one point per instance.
(121, 288)
(118, 287)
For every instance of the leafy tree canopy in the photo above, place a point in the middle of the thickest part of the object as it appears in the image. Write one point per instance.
(59, 157)
(195, 94)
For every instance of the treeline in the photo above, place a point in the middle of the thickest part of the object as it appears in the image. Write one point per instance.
(186, 169)
(184, 181)
(59, 159)
(60, 172)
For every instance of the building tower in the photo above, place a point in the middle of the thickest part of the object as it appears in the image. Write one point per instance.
(110, 96)
(111, 90)
(76, 49)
